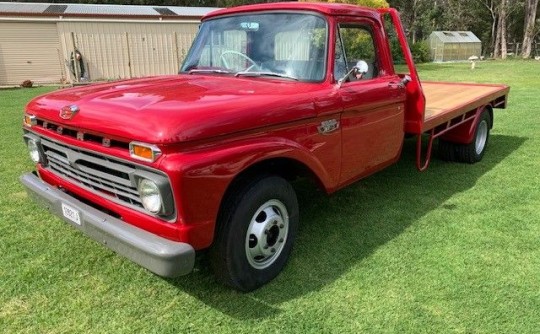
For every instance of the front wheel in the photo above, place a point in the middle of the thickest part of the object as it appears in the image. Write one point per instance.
(255, 233)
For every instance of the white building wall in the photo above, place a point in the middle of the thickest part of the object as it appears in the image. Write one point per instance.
(30, 51)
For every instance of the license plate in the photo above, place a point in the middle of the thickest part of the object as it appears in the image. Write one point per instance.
(71, 214)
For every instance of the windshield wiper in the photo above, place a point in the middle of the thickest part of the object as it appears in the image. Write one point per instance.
(209, 71)
(265, 74)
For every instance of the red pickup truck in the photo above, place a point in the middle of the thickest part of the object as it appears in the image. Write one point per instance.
(159, 168)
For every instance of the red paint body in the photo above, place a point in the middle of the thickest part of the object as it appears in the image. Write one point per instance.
(211, 128)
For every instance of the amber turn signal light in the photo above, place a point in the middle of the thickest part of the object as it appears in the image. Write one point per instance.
(30, 120)
(144, 151)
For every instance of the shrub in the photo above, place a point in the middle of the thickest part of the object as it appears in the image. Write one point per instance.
(420, 52)
(397, 55)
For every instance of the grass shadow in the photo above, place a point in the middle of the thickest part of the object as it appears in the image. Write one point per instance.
(339, 231)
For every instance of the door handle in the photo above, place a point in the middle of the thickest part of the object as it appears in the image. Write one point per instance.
(396, 85)
(400, 84)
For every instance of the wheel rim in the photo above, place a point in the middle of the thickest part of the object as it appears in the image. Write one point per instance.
(481, 137)
(267, 234)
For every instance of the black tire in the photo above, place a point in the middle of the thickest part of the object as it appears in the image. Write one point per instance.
(474, 151)
(267, 207)
(446, 150)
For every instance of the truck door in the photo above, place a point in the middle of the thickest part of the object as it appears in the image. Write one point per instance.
(373, 99)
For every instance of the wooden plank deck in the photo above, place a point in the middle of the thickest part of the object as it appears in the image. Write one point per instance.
(445, 101)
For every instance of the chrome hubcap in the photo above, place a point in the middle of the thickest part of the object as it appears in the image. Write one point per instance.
(481, 137)
(267, 234)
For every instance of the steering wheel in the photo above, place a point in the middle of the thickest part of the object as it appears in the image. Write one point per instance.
(224, 61)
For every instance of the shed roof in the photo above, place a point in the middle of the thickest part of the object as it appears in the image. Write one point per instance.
(97, 10)
(456, 36)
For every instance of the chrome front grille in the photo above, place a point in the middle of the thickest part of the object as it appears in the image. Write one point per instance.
(101, 174)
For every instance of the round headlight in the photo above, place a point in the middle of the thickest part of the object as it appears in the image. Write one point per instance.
(150, 196)
(34, 151)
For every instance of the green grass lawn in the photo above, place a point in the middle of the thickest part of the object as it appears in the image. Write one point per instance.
(453, 249)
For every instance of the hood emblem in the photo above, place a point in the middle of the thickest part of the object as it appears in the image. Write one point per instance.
(68, 112)
(328, 126)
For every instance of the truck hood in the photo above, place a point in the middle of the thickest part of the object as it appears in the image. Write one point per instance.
(171, 109)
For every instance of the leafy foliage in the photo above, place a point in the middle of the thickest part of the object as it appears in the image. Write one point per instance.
(421, 17)
(358, 42)
(397, 54)
(420, 52)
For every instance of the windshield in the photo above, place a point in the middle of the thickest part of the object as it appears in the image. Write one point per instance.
(277, 45)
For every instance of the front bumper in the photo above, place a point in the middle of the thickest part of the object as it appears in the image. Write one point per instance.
(162, 256)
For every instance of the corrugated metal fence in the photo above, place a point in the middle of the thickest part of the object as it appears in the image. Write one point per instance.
(42, 51)
(126, 50)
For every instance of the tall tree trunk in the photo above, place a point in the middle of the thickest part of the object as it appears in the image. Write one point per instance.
(491, 7)
(504, 13)
(499, 49)
(493, 32)
(531, 7)
(497, 44)
(412, 20)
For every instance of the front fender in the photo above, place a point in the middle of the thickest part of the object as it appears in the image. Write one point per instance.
(201, 177)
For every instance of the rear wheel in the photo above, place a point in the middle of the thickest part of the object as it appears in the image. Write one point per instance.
(474, 151)
(469, 153)
(256, 231)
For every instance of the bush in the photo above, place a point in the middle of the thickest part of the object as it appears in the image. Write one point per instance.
(397, 55)
(420, 52)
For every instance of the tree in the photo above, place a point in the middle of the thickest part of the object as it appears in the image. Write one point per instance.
(491, 6)
(531, 7)
(500, 37)
(507, 13)
(409, 15)
(421, 17)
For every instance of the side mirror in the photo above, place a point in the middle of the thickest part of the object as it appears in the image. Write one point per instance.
(406, 79)
(360, 68)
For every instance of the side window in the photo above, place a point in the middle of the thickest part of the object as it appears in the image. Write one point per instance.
(355, 47)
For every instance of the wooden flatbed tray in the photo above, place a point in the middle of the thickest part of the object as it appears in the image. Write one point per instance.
(447, 100)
